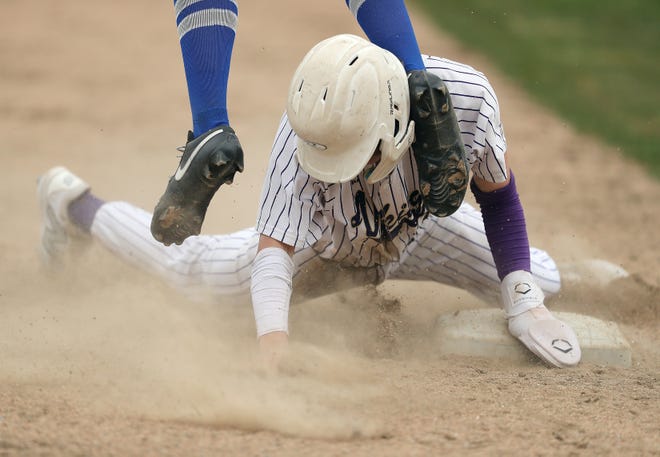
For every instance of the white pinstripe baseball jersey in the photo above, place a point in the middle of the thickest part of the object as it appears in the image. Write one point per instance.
(358, 224)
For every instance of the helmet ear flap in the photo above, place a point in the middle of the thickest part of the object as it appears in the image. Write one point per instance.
(406, 141)
(392, 152)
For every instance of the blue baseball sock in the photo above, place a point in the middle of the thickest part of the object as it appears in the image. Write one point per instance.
(387, 24)
(504, 221)
(207, 29)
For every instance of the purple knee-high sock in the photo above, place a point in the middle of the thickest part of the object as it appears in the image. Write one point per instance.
(83, 209)
(504, 221)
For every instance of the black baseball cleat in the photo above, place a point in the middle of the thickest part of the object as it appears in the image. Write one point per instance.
(438, 147)
(208, 161)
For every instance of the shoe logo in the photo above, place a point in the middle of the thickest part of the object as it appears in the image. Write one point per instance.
(562, 345)
(182, 169)
(522, 288)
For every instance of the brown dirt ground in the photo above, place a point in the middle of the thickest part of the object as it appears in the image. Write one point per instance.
(99, 360)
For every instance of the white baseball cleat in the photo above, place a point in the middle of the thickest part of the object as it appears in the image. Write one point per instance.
(56, 189)
(552, 340)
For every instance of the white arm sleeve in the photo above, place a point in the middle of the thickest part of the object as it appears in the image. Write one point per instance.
(272, 273)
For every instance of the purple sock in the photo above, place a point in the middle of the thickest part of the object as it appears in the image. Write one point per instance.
(83, 209)
(504, 221)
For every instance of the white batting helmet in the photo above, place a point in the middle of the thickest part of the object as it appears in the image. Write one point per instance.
(347, 97)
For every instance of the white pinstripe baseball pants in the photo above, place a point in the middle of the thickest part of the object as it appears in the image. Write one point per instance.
(451, 250)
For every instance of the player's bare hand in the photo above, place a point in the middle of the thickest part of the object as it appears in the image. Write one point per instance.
(273, 348)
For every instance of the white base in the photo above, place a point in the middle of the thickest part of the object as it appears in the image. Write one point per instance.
(594, 272)
(484, 333)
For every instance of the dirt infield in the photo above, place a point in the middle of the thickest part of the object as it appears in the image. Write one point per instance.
(98, 359)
